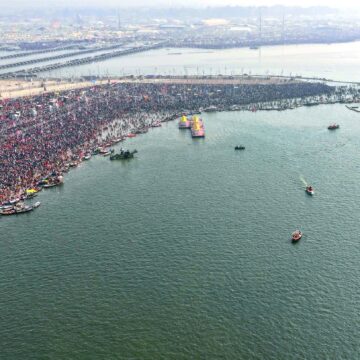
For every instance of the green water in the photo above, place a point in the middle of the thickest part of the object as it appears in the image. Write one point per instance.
(184, 252)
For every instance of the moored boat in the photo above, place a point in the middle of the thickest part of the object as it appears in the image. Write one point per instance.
(156, 124)
(184, 123)
(123, 155)
(197, 128)
(296, 235)
(111, 151)
(52, 182)
(20, 208)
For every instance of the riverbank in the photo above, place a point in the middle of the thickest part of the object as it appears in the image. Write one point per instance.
(19, 88)
(49, 133)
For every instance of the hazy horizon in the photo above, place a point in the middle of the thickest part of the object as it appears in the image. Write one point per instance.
(178, 3)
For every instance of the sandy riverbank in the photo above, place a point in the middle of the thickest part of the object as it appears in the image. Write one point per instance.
(21, 88)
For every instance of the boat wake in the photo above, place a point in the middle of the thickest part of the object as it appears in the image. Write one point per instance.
(303, 180)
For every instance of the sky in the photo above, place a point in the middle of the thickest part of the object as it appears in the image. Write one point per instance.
(170, 3)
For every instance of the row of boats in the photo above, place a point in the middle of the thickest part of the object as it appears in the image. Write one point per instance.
(18, 208)
(19, 205)
(195, 124)
(297, 234)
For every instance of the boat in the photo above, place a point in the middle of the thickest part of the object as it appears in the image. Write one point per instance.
(87, 156)
(184, 123)
(296, 235)
(10, 203)
(333, 126)
(29, 196)
(116, 140)
(240, 147)
(23, 210)
(37, 204)
(108, 152)
(6, 207)
(50, 185)
(353, 108)
(309, 190)
(197, 128)
(10, 211)
(211, 108)
(53, 181)
(130, 135)
(123, 155)
(20, 208)
(156, 124)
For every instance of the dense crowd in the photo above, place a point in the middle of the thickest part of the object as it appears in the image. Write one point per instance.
(43, 134)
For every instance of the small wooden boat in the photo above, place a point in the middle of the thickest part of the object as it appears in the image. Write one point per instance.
(240, 147)
(333, 126)
(50, 185)
(108, 153)
(296, 235)
(30, 196)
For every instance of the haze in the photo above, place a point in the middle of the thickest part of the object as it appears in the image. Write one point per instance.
(180, 3)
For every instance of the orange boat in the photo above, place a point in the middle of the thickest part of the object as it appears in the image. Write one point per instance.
(184, 123)
(197, 128)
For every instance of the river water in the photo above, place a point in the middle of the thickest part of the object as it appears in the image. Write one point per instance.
(185, 251)
(331, 61)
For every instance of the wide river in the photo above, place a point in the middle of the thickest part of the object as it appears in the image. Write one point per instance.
(333, 61)
(185, 251)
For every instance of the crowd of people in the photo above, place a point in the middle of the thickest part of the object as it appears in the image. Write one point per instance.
(43, 134)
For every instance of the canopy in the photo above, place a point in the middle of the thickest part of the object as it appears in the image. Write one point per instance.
(31, 191)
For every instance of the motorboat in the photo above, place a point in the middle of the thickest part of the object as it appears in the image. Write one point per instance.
(333, 126)
(309, 190)
(240, 147)
(296, 235)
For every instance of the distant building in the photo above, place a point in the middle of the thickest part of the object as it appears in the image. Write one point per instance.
(171, 27)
